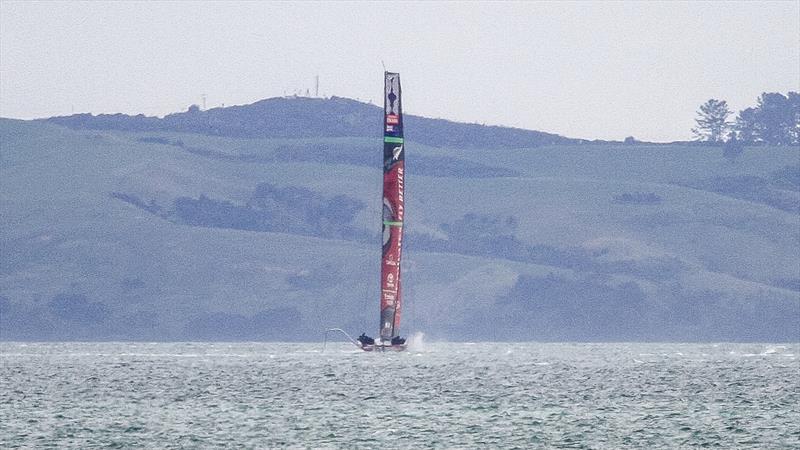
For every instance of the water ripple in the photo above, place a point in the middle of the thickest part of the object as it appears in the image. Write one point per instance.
(79, 395)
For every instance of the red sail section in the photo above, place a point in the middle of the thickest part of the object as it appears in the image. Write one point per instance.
(393, 179)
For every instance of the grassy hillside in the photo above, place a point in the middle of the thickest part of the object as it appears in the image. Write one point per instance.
(119, 234)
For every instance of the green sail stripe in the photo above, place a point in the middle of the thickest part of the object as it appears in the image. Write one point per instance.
(393, 140)
(393, 224)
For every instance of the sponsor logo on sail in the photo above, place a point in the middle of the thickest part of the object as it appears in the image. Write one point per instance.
(392, 119)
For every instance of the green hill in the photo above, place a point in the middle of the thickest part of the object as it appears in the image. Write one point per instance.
(163, 235)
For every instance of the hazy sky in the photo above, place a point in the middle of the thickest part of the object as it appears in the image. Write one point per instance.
(589, 70)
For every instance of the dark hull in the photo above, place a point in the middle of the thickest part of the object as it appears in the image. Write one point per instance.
(384, 348)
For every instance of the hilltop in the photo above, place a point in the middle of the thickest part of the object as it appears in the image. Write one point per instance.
(303, 117)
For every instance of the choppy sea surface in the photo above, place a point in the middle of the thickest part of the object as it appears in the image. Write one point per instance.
(527, 395)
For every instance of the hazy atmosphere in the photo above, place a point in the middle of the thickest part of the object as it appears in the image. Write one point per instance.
(596, 207)
(588, 70)
(153, 212)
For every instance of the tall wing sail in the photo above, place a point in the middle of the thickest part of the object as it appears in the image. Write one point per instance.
(393, 174)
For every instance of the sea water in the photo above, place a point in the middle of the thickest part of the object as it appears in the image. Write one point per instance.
(485, 395)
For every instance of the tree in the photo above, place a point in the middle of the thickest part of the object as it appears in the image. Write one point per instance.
(794, 117)
(712, 121)
(748, 125)
(775, 120)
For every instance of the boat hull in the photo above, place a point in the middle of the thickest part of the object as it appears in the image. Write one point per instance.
(384, 348)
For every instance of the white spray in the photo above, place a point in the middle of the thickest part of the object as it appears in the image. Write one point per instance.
(416, 342)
